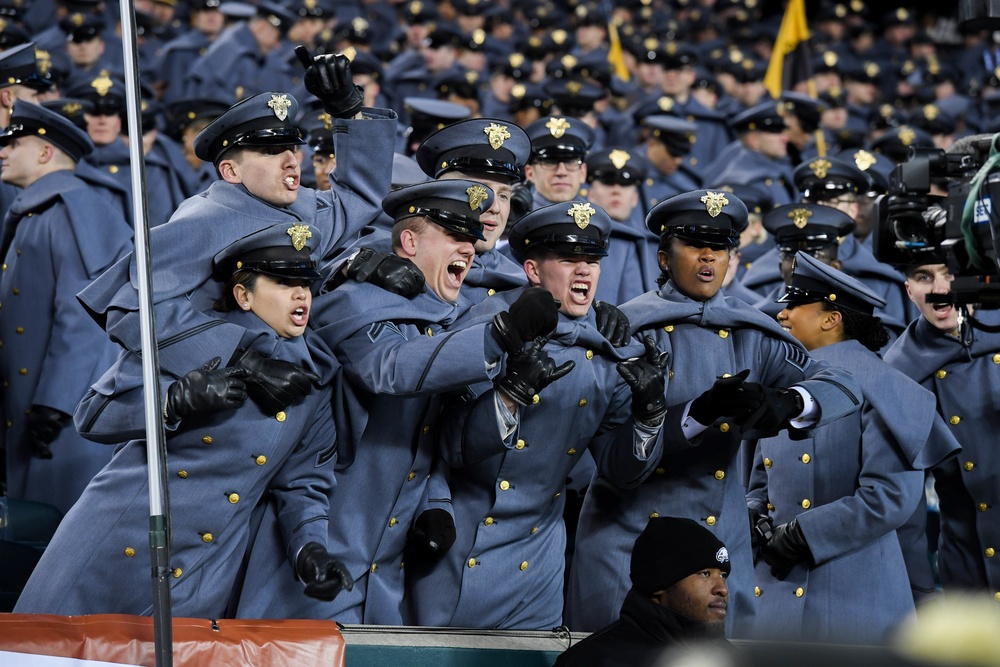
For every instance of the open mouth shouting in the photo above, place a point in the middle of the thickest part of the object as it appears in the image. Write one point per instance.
(706, 274)
(300, 316)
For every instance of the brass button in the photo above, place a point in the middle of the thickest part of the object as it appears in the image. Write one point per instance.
(767, 463)
(427, 429)
(19, 330)
(488, 521)
(182, 474)
(207, 439)
(430, 332)
(524, 566)
(653, 515)
(490, 292)
(670, 375)
(114, 170)
(720, 474)
(535, 399)
(519, 444)
(983, 507)
(969, 465)
(583, 402)
(392, 522)
(178, 572)
(260, 460)
(571, 451)
(726, 375)
(534, 530)
(590, 354)
(724, 427)
(472, 562)
(799, 592)
(280, 416)
(129, 551)
(990, 552)
(16, 290)
(557, 494)
(996, 358)
(806, 504)
(234, 498)
(374, 567)
(954, 420)
(409, 478)
(940, 375)
(806, 458)
(710, 520)
(770, 507)
(504, 485)
(661, 471)
(756, 591)
(669, 328)
(23, 371)
(207, 537)
(723, 333)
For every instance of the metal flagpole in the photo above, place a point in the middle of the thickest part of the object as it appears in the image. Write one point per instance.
(159, 514)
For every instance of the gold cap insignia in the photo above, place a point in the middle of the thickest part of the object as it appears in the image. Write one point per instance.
(800, 216)
(72, 108)
(672, 48)
(557, 127)
(358, 24)
(102, 84)
(871, 69)
(714, 202)
(840, 11)
(309, 4)
(472, 77)
(902, 14)
(820, 166)
(857, 6)
(907, 135)
(863, 160)
(930, 111)
(560, 36)
(665, 103)
(569, 62)
(581, 214)
(516, 60)
(3, 25)
(497, 134)
(416, 7)
(516, 92)
(574, 87)
(76, 19)
(280, 104)
(477, 195)
(300, 234)
(830, 58)
(619, 158)
(650, 43)
(43, 61)
(479, 36)
(327, 120)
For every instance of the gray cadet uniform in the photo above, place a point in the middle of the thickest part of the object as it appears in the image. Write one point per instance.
(698, 478)
(220, 465)
(558, 139)
(848, 485)
(58, 236)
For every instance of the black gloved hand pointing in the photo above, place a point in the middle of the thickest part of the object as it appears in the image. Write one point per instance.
(328, 77)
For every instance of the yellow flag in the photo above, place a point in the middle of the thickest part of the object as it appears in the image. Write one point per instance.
(616, 56)
(789, 59)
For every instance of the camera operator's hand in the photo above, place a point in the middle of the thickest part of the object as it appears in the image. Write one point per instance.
(388, 271)
(328, 77)
(323, 575)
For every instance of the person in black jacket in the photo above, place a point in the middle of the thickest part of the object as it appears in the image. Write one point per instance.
(678, 597)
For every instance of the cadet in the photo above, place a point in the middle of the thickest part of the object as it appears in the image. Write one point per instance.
(213, 490)
(556, 169)
(397, 362)
(708, 336)
(518, 530)
(252, 146)
(58, 235)
(832, 569)
(179, 54)
(669, 142)
(958, 363)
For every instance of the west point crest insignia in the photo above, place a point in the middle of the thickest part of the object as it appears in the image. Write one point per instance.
(906, 135)
(300, 234)
(102, 84)
(619, 158)
(477, 195)
(864, 160)
(497, 134)
(819, 167)
(714, 202)
(557, 127)
(581, 214)
(280, 104)
(800, 216)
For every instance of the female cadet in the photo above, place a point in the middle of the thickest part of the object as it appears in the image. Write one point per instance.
(832, 570)
(225, 455)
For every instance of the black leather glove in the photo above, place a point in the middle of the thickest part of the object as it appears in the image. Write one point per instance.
(535, 314)
(761, 528)
(612, 323)
(646, 378)
(727, 398)
(388, 271)
(44, 425)
(208, 389)
(530, 371)
(323, 575)
(786, 549)
(432, 534)
(274, 384)
(328, 77)
(521, 201)
(777, 407)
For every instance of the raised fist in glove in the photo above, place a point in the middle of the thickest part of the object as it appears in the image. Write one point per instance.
(535, 314)
(728, 397)
(646, 378)
(786, 549)
(208, 389)
(530, 371)
(328, 77)
(274, 384)
(388, 271)
(432, 534)
(612, 323)
(44, 425)
(521, 201)
(777, 407)
(323, 575)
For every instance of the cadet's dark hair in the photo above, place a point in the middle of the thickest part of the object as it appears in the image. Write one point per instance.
(664, 276)
(415, 223)
(866, 329)
(227, 302)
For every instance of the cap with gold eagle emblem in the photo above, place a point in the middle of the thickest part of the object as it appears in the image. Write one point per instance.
(572, 228)
(712, 217)
(813, 280)
(825, 178)
(282, 251)
(807, 226)
(559, 138)
(266, 119)
(455, 204)
(487, 146)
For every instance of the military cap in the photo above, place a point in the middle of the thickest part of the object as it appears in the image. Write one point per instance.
(704, 79)
(265, 119)
(896, 143)
(679, 54)
(933, 119)
(567, 228)
(515, 65)
(828, 61)
(660, 104)
(363, 62)
(898, 16)
(748, 70)
(885, 116)
(281, 250)
(670, 549)
(864, 72)
(313, 9)
(106, 93)
(827, 178)
(648, 50)
(830, 11)
(559, 137)
(461, 82)
(677, 134)
(470, 7)
(807, 109)
(445, 34)
(406, 171)
(877, 166)
(18, 66)
(574, 96)
(529, 96)
(237, 10)
(277, 15)
(455, 204)
(12, 9)
(79, 27)
(71, 108)
(589, 14)
(418, 11)
(813, 281)
(834, 98)
(357, 30)
(317, 125)
(757, 200)
(615, 166)
(807, 226)
(704, 216)
(476, 146)
(541, 15)
(764, 117)
(12, 34)
(182, 113)
(33, 120)
(428, 116)
(204, 5)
